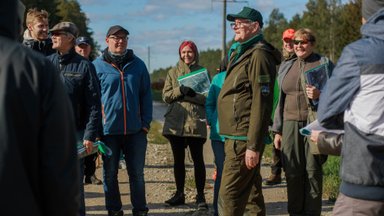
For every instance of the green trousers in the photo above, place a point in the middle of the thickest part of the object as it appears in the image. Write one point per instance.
(240, 190)
(303, 172)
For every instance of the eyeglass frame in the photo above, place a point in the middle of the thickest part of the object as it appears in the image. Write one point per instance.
(117, 38)
(240, 24)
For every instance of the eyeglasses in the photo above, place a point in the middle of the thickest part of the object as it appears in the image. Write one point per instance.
(117, 38)
(239, 24)
(303, 42)
(58, 33)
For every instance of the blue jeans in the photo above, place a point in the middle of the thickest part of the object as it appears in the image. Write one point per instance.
(134, 147)
(218, 151)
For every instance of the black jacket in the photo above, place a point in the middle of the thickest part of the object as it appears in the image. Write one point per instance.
(79, 77)
(38, 163)
(43, 47)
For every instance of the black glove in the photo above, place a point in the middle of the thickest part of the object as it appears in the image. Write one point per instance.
(185, 90)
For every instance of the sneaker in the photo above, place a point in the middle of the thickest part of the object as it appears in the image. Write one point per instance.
(95, 180)
(273, 180)
(116, 213)
(122, 164)
(201, 203)
(177, 199)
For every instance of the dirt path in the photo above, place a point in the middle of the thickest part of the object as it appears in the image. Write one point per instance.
(160, 186)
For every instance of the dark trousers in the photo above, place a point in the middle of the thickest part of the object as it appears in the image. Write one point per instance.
(277, 164)
(90, 165)
(240, 190)
(195, 145)
(303, 172)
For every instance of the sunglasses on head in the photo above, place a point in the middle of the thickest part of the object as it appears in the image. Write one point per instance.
(297, 42)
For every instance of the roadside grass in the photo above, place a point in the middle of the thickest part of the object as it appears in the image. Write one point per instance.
(331, 180)
(154, 135)
(157, 95)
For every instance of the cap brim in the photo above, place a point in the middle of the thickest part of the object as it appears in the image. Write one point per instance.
(232, 17)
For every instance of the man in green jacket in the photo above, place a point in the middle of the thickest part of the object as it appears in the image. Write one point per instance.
(244, 110)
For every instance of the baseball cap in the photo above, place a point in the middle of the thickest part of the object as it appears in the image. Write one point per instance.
(66, 27)
(83, 40)
(247, 13)
(116, 28)
(289, 34)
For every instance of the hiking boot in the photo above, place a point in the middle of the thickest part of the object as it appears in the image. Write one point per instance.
(177, 199)
(92, 180)
(115, 213)
(273, 180)
(201, 203)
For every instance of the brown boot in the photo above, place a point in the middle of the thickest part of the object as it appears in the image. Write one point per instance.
(273, 180)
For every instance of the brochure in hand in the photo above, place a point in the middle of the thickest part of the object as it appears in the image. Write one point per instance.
(317, 76)
(197, 80)
(97, 146)
(307, 130)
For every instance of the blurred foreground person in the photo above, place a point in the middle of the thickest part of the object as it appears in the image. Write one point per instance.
(356, 92)
(38, 159)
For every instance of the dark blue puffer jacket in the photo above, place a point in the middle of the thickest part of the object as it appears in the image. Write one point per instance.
(79, 77)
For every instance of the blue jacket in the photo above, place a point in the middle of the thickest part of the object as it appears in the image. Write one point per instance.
(356, 90)
(125, 96)
(211, 106)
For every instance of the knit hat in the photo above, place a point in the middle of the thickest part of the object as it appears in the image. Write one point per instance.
(247, 13)
(116, 28)
(66, 27)
(369, 7)
(289, 34)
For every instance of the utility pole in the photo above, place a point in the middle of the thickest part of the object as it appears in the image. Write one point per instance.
(224, 42)
(149, 59)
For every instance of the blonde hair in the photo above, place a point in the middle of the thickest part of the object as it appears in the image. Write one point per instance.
(35, 14)
(307, 34)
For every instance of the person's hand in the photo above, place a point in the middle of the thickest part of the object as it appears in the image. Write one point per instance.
(277, 141)
(145, 129)
(315, 135)
(312, 92)
(251, 158)
(88, 146)
(185, 90)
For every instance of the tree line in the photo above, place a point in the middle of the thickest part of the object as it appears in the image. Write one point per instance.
(335, 25)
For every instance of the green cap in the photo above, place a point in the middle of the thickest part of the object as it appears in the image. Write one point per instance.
(247, 13)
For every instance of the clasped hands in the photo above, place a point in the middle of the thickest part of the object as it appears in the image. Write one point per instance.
(188, 91)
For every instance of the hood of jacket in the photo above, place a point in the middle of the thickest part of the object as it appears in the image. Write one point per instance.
(275, 53)
(374, 27)
(9, 22)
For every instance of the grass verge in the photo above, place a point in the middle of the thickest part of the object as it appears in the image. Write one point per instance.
(154, 135)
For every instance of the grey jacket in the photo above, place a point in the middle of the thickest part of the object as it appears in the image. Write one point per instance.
(356, 89)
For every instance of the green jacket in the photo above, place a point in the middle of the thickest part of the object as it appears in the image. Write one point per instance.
(245, 100)
(185, 116)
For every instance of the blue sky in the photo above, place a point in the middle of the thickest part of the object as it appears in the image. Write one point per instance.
(163, 24)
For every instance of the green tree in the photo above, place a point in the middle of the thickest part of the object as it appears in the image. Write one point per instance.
(48, 5)
(276, 25)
